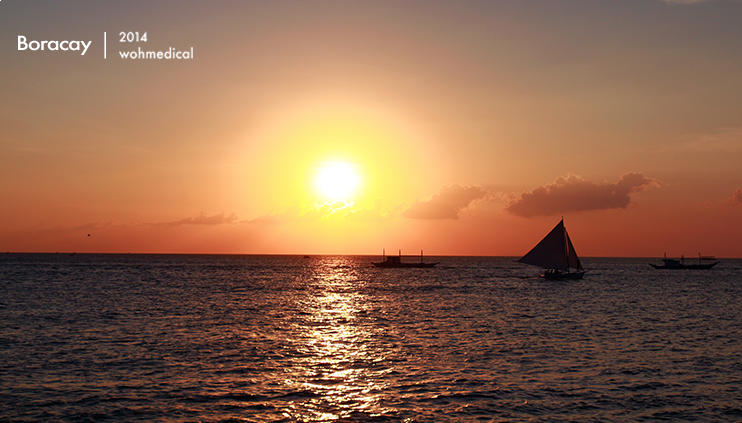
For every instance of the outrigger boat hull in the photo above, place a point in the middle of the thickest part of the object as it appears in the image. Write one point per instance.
(395, 262)
(685, 266)
(673, 264)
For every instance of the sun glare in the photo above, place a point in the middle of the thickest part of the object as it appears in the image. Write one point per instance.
(337, 181)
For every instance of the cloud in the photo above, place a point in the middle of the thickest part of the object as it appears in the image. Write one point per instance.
(83, 228)
(316, 212)
(203, 219)
(574, 193)
(723, 140)
(375, 213)
(447, 203)
(736, 198)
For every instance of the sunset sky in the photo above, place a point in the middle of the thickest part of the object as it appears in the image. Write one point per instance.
(348, 127)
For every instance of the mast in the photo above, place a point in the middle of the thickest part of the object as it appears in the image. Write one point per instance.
(566, 243)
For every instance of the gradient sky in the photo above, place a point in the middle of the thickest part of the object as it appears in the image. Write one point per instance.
(472, 127)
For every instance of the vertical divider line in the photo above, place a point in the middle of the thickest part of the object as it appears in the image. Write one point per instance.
(104, 45)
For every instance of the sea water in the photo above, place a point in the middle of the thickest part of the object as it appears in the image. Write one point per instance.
(196, 338)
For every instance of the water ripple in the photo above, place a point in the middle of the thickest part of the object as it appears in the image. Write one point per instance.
(129, 338)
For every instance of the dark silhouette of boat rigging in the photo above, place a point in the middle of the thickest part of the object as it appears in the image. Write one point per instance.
(673, 264)
(395, 262)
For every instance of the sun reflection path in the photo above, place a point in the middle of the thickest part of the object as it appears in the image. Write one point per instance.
(340, 360)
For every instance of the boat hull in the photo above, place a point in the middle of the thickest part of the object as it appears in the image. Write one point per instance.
(685, 266)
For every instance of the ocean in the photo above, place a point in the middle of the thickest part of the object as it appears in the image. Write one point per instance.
(219, 338)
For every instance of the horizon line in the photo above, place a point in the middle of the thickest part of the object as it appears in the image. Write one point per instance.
(71, 253)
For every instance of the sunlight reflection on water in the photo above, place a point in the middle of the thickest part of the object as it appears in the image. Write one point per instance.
(336, 359)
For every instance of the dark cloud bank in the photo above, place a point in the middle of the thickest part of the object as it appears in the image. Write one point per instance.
(574, 193)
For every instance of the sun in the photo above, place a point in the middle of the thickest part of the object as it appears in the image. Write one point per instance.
(336, 181)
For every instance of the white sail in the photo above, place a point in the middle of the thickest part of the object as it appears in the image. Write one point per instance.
(555, 251)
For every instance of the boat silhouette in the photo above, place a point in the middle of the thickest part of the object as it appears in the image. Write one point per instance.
(681, 264)
(395, 262)
(556, 254)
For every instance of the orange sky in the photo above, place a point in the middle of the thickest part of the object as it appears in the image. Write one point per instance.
(472, 129)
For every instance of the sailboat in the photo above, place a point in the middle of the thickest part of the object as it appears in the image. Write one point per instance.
(556, 254)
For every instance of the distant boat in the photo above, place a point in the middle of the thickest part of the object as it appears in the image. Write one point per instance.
(395, 262)
(675, 264)
(557, 255)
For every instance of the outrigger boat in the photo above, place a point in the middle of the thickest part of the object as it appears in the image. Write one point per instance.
(675, 264)
(556, 254)
(395, 262)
